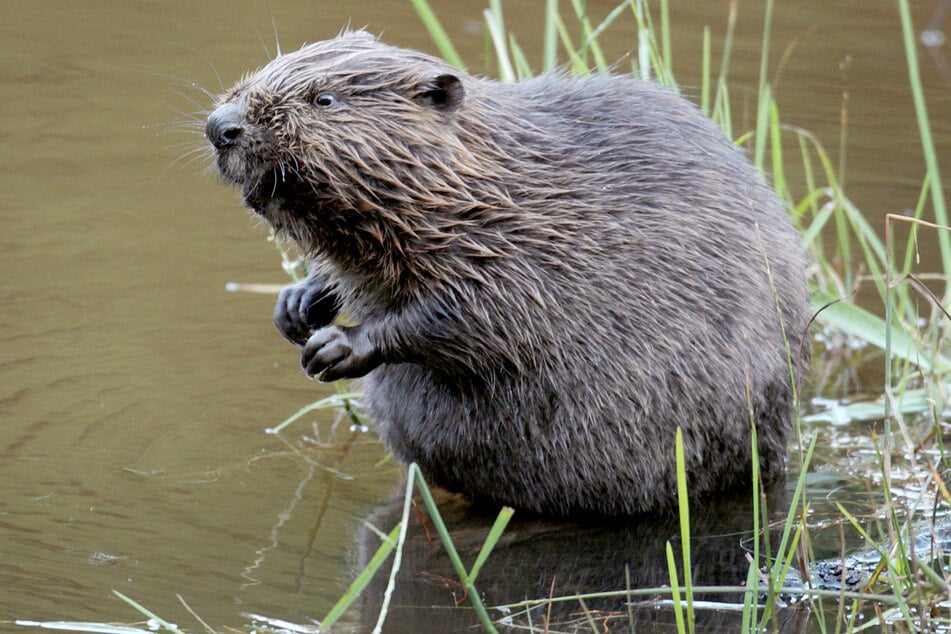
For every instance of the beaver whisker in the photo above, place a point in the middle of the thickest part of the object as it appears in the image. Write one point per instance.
(193, 84)
(183, 127)
(190, 122)
(290, 154)
(252, 191)
(189, 155)
(309, 182)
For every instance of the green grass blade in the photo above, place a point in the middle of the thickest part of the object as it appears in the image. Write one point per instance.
(764, 49)
(860, 323)
(675, 590)
(812, 234)
(776, 146)
(523, 69)
(760, 516)
(608, 21)
(78, 626)
(443, 532)
(496, 25)
(398, 557)
(897, 568)
(550, 52)
(927, 139)
(667, 55)
(501, 521)
(911, 244)
(762, 125)
(721, 112)
(750, 606)
(576, 63)
(363, 579)
(650, 57)
(438, 33)
(165, 624)
(334, 400)
(588, 43)
(721, 99)
(809, 177)
(785, 545)
(705, 78)
(683, 507)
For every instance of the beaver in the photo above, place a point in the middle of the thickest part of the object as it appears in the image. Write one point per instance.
(542, 280)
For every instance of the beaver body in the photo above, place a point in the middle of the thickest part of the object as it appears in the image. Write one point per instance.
(547, 277)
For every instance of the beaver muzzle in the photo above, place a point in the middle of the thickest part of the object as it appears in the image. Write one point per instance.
(262, 179)
(225, 130)
(225, 126)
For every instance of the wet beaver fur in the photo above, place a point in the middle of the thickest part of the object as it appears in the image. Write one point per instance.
(546, 278)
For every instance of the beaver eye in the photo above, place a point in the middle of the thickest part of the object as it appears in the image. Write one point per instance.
(325, 99)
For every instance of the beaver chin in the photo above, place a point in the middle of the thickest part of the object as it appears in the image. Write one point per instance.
(270, 194)
(263, 194)
(283, 201)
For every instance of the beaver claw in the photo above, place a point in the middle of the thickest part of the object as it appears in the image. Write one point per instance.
(337, 352)
(304, 307)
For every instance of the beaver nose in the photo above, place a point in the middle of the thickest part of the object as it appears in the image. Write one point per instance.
(223, 127)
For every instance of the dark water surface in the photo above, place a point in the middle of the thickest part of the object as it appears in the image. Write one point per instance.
(134, 391)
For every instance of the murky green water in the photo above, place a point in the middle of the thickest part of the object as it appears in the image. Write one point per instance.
(134, 391)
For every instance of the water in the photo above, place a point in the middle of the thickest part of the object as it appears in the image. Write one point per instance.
(134, 391)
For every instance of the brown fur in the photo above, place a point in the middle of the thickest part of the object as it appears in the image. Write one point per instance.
(547, 277)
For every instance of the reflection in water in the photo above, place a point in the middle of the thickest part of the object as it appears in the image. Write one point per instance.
(933, 35)
(934, 38)
(536, 559)
(261, 554)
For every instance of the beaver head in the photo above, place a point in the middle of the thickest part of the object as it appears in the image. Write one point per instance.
(351, 141)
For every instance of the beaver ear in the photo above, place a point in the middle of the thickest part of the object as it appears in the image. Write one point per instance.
(444, 92)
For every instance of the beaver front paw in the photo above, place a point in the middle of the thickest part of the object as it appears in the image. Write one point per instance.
(305, 307)
(338, 352)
